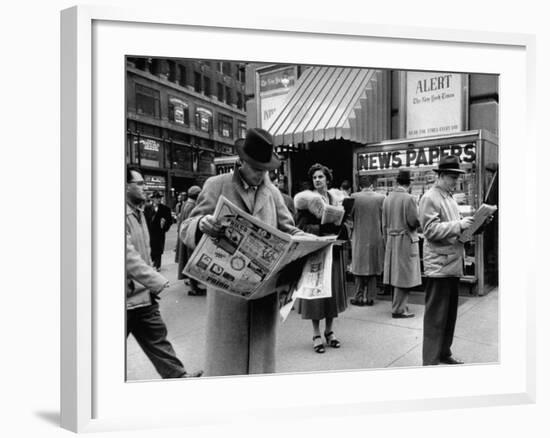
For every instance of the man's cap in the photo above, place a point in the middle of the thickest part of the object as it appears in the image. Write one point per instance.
(193, 190)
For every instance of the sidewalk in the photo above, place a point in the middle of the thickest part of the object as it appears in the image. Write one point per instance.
(370, 337)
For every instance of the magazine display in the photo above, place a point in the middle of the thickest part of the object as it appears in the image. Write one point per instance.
(480, 216)
(252, 259)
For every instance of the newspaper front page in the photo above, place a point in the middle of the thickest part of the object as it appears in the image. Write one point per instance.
(480, 216)
(252, 259)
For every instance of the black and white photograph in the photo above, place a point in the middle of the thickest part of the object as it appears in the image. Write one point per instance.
(292, 218)
(244, 219)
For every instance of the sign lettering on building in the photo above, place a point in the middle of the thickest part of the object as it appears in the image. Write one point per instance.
(154, 182)
(435, 103)
(149, 152)
(274, 85)
(204, 117)
(415, 158)
(179, 108)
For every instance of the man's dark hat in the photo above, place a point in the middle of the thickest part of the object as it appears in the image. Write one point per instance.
(449, 163)
(403, 177)
(156, 194)
(257, 149)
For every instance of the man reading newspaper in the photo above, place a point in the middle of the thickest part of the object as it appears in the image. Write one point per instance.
(240, 334)
(443, 226)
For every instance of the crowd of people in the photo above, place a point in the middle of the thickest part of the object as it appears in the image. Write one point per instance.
(383, 232)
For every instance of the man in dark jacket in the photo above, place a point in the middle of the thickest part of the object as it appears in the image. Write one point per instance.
(159, 220)
(143, 286)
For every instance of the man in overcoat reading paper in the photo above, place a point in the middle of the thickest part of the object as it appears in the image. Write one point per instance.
(241, 334)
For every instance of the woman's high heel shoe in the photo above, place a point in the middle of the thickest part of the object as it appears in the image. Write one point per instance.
(331, 340)
(318, 347)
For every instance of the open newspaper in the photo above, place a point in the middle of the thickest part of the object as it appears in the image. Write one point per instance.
(480, 216)
(314, 282)
(252, 259)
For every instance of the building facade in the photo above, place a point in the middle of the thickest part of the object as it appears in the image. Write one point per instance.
(376, 122)
(181, 114)
(328, 113)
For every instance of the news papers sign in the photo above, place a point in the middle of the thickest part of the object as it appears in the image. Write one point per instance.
(435, 103)
(416, 157)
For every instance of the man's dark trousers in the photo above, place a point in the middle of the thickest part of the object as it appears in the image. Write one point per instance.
(439, 318)
(147, 326)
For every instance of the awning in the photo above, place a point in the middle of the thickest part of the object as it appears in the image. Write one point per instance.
(331, 103)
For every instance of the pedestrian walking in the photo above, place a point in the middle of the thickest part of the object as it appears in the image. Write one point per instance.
(185, 253)
(182, 197)
(367, 243)
(309, 220)
(159, 220)
(442, 224)
(402, 260)
(143, 288)
(279, 183)
(240, 334)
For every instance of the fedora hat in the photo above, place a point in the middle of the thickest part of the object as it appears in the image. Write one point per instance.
(403, 177)
(449, 163)
(257, 149)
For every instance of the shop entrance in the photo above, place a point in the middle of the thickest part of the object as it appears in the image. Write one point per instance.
(335, 154)
(180, 184)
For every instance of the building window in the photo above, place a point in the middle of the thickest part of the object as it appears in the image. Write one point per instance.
(226, 68)
(142, 63)
(219, 66)
(242, 73)
(198, 82)
(240, 103)
(151, 65)
(156, 65)
(220, 92)
(150, 130)
(182, 158)
(228, 96)
(203, 119)
(207, 90)
(147, 101)
(183, 75)
(178, 111)
(225, 126)
(171, 71)
(242, 129)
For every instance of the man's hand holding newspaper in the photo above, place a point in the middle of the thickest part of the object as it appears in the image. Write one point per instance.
(482, 217)
(242, 256)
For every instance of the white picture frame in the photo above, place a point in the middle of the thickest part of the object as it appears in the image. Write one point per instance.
(93, 397)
